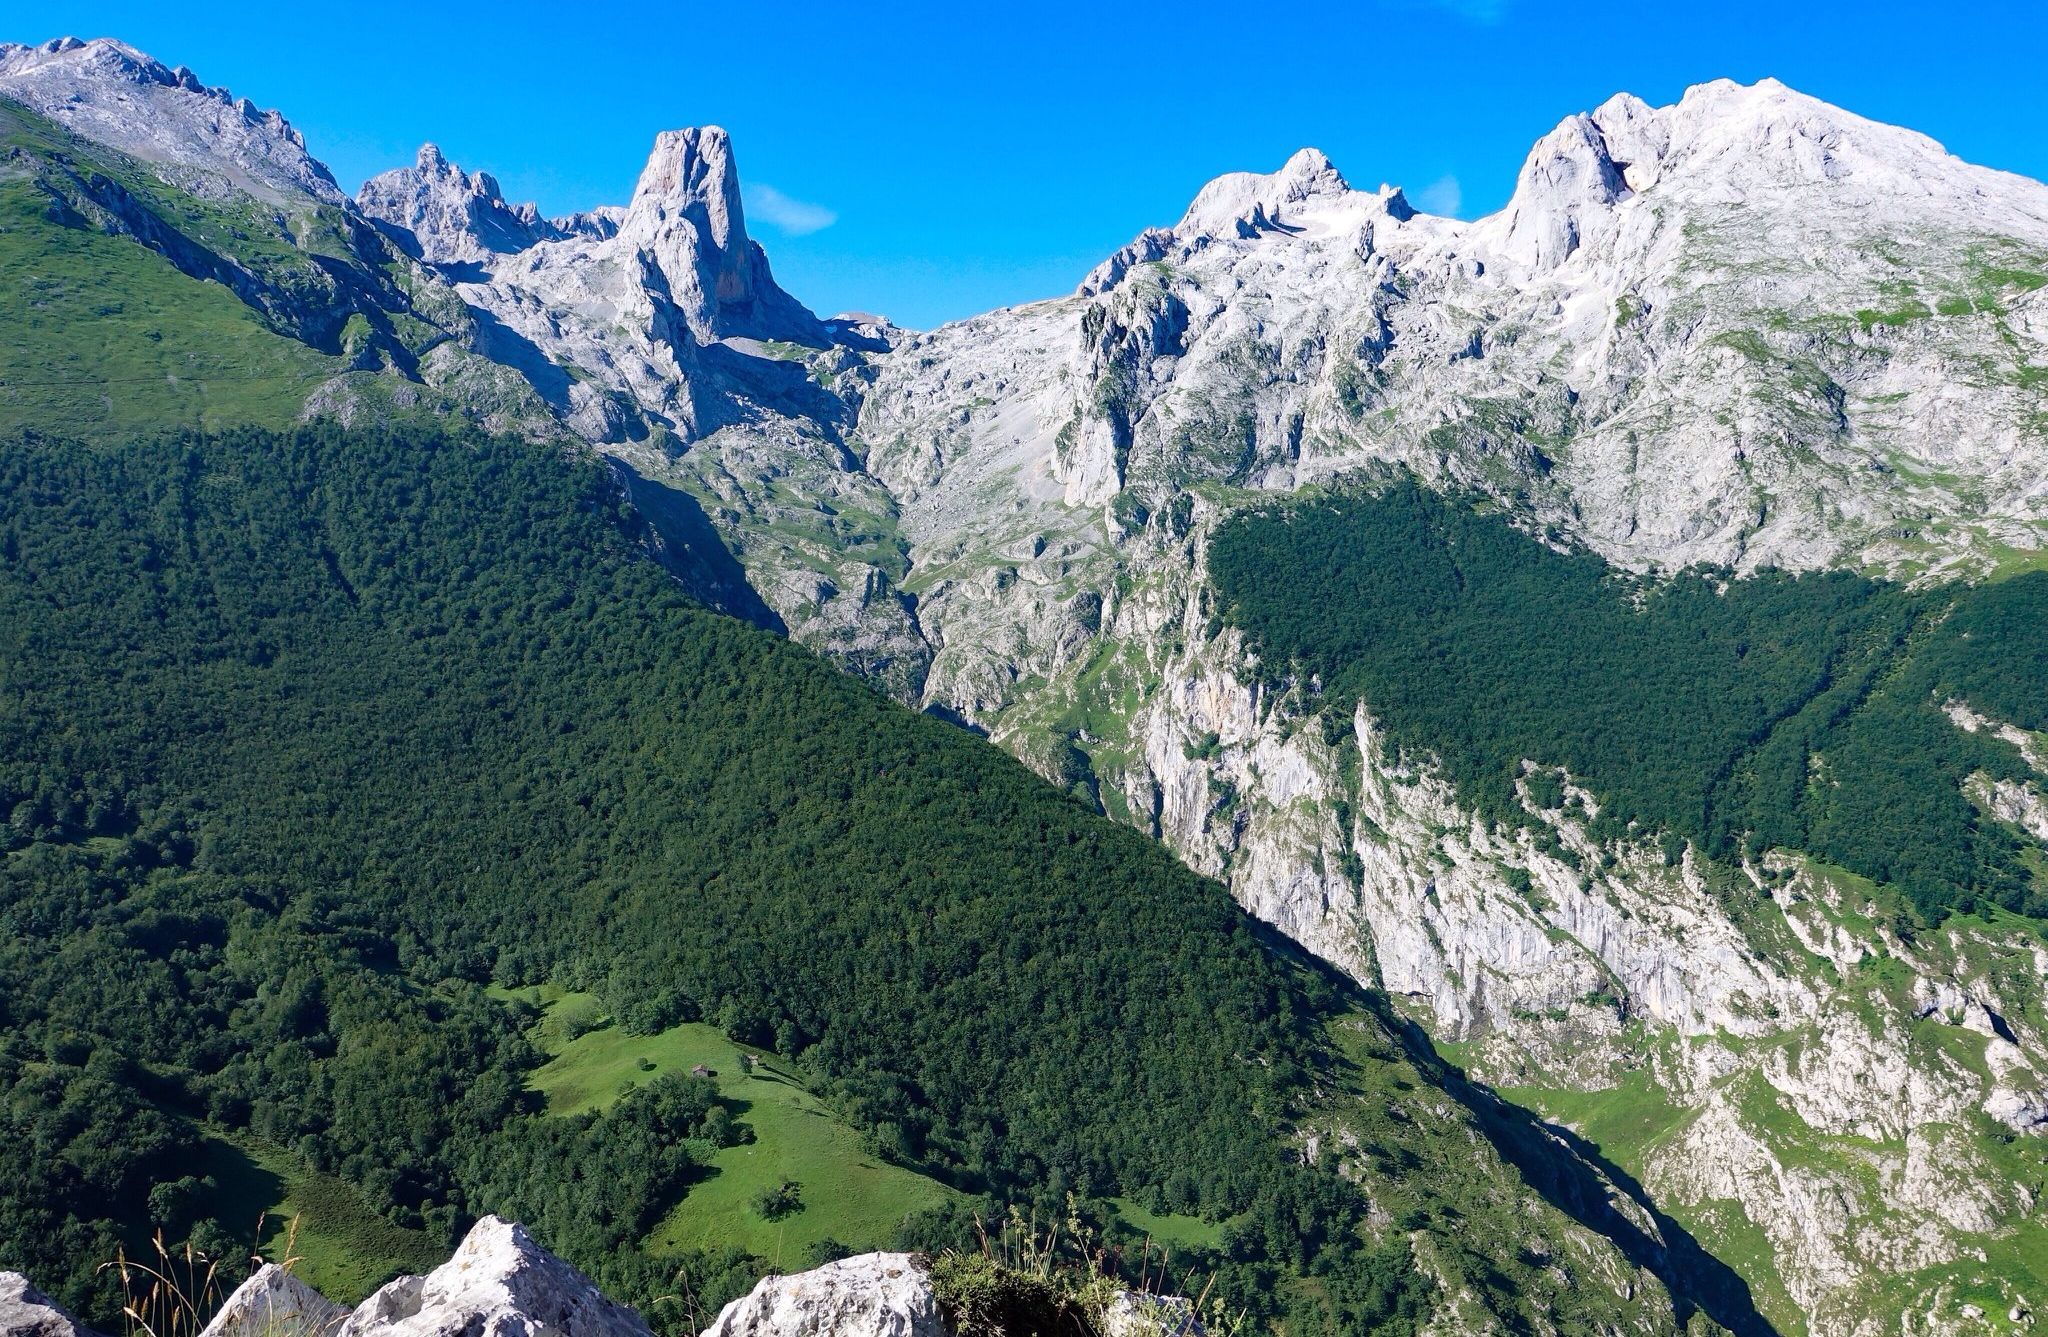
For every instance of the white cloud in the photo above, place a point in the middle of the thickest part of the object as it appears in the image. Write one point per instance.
(786, 215)
(1441, 196)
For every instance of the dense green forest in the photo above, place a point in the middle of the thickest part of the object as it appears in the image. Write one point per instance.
(307, 740)
(1774, 711)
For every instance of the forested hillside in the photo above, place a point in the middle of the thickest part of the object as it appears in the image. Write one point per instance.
(1805, 712)
(307, 740)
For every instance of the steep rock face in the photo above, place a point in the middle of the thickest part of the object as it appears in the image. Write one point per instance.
(686, 211)
(639, 300)
(1807, 1067)
(641, 329)
(680, 335)
(1747, 328)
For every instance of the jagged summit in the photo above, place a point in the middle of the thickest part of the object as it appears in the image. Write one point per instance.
(450, 215)
(1259, 199)
(1725, 144)
(113, 94)
(444, 215)
(1721, 144)
(682, 238)
(1308, 195)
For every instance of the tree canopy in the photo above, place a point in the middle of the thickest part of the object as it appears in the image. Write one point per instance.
(1776, 710)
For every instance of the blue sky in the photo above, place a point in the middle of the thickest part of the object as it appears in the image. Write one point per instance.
(932, 161)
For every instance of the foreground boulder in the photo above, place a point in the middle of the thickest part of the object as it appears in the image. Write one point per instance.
(873, 1295)
(891, 1295)
(1137, 1314)
(498, 1284)
(274, 1303)
(27, 1312)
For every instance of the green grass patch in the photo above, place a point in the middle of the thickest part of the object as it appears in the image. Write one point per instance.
(1744, 1246)
(345, 1248)
(1625, 1121)
(102, 337)
(1870, 317)
(1169, 1227)
(2025, 280)
(849, 1193)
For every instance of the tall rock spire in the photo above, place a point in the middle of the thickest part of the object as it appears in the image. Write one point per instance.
(687, 216)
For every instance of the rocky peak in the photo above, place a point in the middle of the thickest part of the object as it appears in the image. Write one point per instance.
(1262, 199)
(206, 138)
(445, 215)
(692, 173)
(1636, 137)
(1565, 188)
(686, 217)
(599, 224)
(1730, 145)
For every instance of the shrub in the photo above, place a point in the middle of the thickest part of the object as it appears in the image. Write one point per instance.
(780, 1200)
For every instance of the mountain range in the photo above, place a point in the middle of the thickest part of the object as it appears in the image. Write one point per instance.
(1745, 342)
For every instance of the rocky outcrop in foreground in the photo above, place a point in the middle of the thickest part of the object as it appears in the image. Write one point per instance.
(891, 1295)
(884, 1294)
(27, 1312)
(500, 1283)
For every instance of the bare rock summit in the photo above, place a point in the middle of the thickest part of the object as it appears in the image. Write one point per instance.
(207, 140)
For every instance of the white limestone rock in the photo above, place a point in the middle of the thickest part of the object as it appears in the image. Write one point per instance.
(686, 212)
(1269, 198)
(450, 215)
(274, 1303)
(211, 141)
(1137, 1314)
(871, 1295)
(499, 1283)
(27, 1312)
(1654, 347)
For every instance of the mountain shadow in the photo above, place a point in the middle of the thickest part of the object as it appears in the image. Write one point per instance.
(1562, 1168)
(1573, 1176)
(688, 545)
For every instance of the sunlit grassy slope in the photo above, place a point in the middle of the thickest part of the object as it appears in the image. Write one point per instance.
(849, 1194)
(342, 1245)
